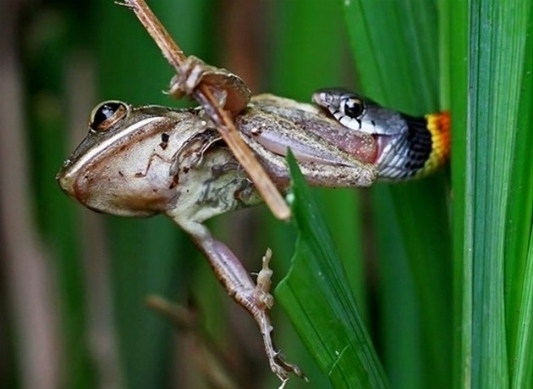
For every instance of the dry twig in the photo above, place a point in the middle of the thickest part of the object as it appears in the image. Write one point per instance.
(203, 93)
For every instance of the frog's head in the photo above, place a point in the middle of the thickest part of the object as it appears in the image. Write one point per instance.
(123, 165)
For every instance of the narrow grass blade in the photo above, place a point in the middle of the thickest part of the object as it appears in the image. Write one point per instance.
(461, 168)
(518, 250)
(523, 354)
(317, 297)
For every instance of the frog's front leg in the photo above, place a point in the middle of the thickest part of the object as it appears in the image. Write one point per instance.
(229, 89)
(256, 299)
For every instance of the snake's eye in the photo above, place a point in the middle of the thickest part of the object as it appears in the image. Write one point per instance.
(105, 115)
(353, 107)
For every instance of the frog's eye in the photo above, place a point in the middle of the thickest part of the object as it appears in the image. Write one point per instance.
(354, 107)
(105, 115)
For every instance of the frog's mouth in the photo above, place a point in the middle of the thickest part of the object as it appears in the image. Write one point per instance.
(66, 181)
(391, 162)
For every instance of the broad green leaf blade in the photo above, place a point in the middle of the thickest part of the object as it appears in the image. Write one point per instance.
(396, 52)
(518, 270)
(493, 203)
(317, 297)
(497, 33)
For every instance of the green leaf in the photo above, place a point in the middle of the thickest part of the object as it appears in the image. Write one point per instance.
(297, 72)
(518, 255)
(397, 50)
(492, 105)
(317, 297)
(462, 228)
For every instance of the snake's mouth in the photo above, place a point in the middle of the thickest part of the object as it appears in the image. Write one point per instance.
(383, 143)
(406, 146)
(384, 156)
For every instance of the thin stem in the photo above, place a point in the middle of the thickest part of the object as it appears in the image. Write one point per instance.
(203, 94)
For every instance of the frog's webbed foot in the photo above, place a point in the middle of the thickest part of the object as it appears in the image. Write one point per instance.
(255, 298)
(264, 300)
(229, 89)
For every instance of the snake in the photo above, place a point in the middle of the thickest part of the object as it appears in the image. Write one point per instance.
(408, 146)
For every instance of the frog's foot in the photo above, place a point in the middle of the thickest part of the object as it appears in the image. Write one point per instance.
(229, 89)
(255, 298)
(278, 364)
(264, 301)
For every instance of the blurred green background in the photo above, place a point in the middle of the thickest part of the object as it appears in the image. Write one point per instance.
(73, 283)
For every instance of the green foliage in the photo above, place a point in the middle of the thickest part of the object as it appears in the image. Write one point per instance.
(317, 297)
(396, 49)
(403, 51)
(431, 277)
(493, 231)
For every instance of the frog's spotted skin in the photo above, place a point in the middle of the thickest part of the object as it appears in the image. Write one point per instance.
(409, 147)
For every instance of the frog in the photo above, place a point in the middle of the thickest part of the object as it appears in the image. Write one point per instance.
(149, 160)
